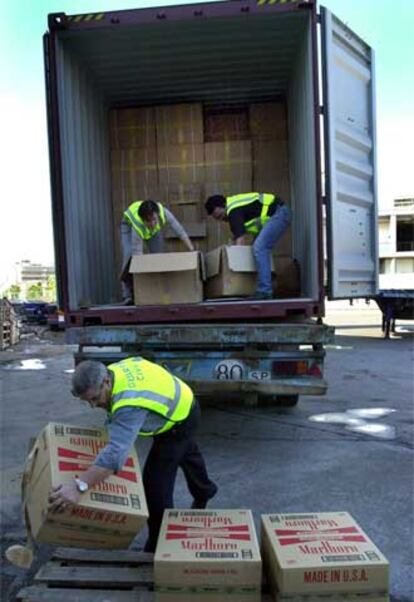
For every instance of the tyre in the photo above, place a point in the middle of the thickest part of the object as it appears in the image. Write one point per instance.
(283, 401)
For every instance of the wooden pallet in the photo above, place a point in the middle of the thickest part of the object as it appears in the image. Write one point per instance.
(77, 575)
(5, 336)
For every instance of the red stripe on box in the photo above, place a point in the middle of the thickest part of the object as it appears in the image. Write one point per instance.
(70, 453)
(173, 527)
(283, 532)
(73, 467)
(237, 536)
(295, 540)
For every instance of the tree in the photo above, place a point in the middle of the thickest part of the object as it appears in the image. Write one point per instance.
(35, 292)
(13, 292)
(50, 288)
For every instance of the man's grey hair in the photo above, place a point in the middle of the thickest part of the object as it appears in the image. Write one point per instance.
(88, 375)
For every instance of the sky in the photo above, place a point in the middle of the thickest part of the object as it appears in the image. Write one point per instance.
(25, 212)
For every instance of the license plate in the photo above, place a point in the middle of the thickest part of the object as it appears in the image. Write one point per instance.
(230, 370)
(259, 375)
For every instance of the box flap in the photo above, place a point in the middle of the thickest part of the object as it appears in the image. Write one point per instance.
(212, 259)
(165, 262)
(240, 258)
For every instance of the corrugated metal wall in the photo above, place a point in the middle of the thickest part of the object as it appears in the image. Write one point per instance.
(86, 185)
(302, 167)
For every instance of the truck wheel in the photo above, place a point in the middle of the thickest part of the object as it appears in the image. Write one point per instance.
(283, 401)
(287, 401)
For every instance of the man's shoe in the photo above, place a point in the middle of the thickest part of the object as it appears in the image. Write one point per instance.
(199, 504)
(128, 301)
(261, 297)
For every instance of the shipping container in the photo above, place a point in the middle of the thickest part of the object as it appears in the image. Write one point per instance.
(229, 60)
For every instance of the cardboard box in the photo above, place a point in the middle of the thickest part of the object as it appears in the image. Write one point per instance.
(132, 128)
(207, 555)
(349, 597)
(226, 126)
(182, 194)
(179, 124)
(166, 278)
(188, 213)
(181, 164)
(231, 271)
(268, 121)
(228, 187)
(229, 162)
(321, 553)
(134, 168)
(286, 277)
(109, 515)
(271, 167)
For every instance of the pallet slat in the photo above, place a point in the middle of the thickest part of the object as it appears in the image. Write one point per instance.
(103, 556)
(36, 593)
(94, 576)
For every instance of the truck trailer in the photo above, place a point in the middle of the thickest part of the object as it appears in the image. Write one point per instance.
(234, 59)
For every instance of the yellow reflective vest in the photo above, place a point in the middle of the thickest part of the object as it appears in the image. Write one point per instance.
(140, 383)
(252, 226)
(131, 216)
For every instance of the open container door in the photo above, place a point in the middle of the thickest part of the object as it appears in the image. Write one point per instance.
(350, 161)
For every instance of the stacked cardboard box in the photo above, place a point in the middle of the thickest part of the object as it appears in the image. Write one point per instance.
(181, 168)
(228, 172)
(322, 556)
(132, 128)
(228, 167)
(179, 124)
(177, 155)
(270, 152)
(109, 515)
(207, 555)
(226, 126)
(134, 162)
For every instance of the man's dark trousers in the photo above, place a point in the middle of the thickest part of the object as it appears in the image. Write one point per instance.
(171, 450)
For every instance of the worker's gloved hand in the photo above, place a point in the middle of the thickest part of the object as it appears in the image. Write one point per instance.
(63, 496)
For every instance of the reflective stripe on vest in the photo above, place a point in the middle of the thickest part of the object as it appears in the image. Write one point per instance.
(132, 217)
(140, 383)
(254, 225)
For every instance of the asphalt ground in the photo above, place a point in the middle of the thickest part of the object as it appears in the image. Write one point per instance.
(267, 459)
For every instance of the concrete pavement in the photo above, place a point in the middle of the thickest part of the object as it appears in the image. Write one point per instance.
(265, 459)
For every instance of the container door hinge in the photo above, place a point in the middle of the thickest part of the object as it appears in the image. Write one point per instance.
(321, 110)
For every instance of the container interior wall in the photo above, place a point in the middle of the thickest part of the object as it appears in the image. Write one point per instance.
(86, 184)
(302, 150)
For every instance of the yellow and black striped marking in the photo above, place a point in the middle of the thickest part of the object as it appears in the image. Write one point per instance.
(269, 2)
(91, 17)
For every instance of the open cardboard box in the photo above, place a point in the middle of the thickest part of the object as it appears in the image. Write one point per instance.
(167, 278)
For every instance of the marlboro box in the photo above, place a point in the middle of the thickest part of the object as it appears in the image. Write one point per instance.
(210, 555)
(109, 515)
(322, 553)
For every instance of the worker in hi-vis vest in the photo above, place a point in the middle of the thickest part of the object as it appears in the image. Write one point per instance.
(143, 221)
(265, 216)
(142, 398)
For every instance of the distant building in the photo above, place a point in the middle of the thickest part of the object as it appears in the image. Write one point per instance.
(396, 246)
(30, 274)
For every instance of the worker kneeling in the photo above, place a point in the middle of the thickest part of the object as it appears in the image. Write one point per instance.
(142, 398)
